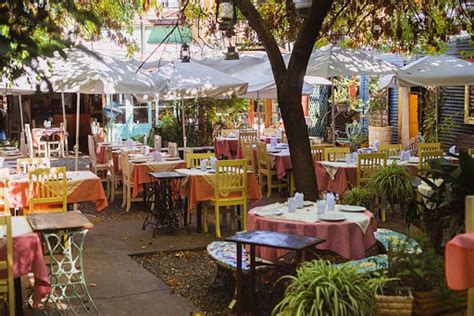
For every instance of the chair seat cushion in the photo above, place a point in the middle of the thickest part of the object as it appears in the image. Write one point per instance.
(396, 240)
(225, 255)
(369, 264)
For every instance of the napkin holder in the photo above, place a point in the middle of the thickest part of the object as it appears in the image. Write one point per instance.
(273, 142)
(157, 156)
(299, 197)
(213, 161)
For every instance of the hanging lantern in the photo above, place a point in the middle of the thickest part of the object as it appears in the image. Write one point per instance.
(231, 54)
(303, 7)
(185, 53)
(226, 15)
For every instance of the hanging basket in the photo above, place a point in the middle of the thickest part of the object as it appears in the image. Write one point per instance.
(394, 305)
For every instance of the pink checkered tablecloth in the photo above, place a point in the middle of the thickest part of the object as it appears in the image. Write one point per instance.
(460, 262)
(38, 133)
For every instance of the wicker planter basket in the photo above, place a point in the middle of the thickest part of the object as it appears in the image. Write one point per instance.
(394, 305)
(426, 303)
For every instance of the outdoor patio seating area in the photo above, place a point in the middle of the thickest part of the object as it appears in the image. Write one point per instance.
(237, 157)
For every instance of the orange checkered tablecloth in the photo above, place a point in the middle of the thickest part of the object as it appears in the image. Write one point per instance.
(140, 172)
(459, 258)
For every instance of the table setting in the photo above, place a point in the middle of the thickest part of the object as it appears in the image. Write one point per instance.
(348, 229)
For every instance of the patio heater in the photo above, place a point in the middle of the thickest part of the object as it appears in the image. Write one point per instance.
(185, 53)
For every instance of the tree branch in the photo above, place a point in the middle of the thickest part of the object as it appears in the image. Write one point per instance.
(266, 37)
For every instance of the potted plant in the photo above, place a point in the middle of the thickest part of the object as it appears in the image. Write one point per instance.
(323, 288)
(392, 184)
(360, 197)
(379, 128)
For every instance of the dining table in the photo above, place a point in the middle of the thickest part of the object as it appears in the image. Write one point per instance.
(39, 133)
(227, 147)
(82, 186)
(27, 258)
(347, 231)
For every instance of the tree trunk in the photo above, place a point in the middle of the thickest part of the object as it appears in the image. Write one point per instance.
(289, 101)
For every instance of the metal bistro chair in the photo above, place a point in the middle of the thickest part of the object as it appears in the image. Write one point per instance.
(194, 160)
(334, 153)
(317, 151)
(24, 165)
(265, 170)
(7, 287)
(47, 190)
(230, 190)
(392, 150)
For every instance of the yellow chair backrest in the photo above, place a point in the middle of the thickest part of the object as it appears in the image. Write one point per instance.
(4, 189)
(428, 147)
(126, 168)
(263, 160)
(317, 151)
(231, 177)
(47, 187)
(391, 150)
(7, 287)
(272, 132)
(247, 135)
(426, 156)
(368, 164)
(334, 153)
(247, 150)
(24, 165)
(471, 152)
(194, 160)
(228, 132)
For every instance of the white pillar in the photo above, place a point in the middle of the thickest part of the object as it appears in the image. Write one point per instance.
(404, 117)
(21, 113)
(78, 113)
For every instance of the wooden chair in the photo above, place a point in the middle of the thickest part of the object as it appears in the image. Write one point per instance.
(24, 165)
(227, 132)
(230, 190)
(47, 190)
(423, 147)
(173, 149)
(471, 152)
(42, 149)
(269, 132)
(265, 170)
(245, 134)
(194, 160)
(64, 144)
(426, 156)
(115, 178)
(55, 147)
(247, 151)
(157, 142)
(392, 150)
(368, 164)
(334, 153)
(7, 287)
(317, 151)
(127, 182)
(103, 171)
(4, 188)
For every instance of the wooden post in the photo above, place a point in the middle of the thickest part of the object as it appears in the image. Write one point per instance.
(404, 108)
(470, 229)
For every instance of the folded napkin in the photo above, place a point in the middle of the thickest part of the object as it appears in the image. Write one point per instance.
(452, 149)
(362, 220)
(332, 167)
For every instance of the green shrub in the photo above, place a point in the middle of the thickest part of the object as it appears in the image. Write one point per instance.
(359, 196)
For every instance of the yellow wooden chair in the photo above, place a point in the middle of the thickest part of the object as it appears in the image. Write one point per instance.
(247, 151)
(227, 132)
(317, 151)
(24, 165)
(423, 147)
(334, 153)
(7, 287)
(269, 132)
(4, 188)
(127, 182)
(47, 190)
(471, 152)
(230, 190)
(194, 160)
(368, 164)
(103, 171)
(426, 156)
(392, 150)
(245, 134)
(265, 170)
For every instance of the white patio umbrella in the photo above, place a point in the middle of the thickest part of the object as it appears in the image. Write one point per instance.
(192, 80)
(83, 71)
(332, 61)
(434, 71)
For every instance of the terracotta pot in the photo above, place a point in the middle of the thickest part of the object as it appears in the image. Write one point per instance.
(427, 303)
(394, 305)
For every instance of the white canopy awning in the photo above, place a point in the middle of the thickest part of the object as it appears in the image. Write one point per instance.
(333, 61)
(442, 70)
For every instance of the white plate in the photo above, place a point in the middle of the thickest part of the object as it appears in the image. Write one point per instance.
(172, 158)
(138, 160)
(332, 217)
(269, 212)
(414, 160)
(211, 170)
(351, 208)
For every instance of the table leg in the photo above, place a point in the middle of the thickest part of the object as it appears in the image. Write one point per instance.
(18, 297)
(199, 218)
(238, 279)
(299, 258)
(144, 196)
(253, 307)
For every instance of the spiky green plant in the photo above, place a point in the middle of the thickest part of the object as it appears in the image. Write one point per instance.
(393, 184)
(359, 196)
(323, 288)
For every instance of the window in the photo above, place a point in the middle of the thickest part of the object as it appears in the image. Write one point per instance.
(469, 105)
